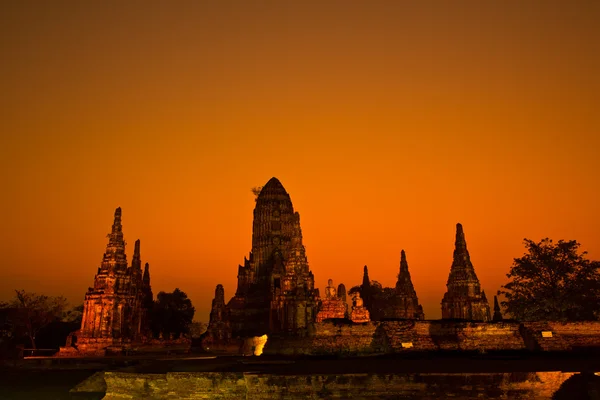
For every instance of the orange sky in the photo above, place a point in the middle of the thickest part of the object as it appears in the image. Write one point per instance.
(387, 122)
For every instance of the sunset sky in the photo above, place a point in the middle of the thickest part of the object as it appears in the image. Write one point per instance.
(387, 122)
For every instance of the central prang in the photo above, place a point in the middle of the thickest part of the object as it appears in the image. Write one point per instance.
(275, 291)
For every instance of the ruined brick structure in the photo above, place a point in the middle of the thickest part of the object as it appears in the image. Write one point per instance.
(401, 304)
(334, 305)
(405, 304)
(365, 289)
(464, 298)
(342, 294)
(360, 313)
(116, 310)
(275, 291)
(218, 331)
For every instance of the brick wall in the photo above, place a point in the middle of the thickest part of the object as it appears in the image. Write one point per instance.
(452, 336)
(337, 338)
(578, 334)
(331, 338)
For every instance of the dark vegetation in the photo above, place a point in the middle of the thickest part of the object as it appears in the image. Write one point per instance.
(172, 314)
(376, 298)
(553, 282)
(35, 321)
(550, 282)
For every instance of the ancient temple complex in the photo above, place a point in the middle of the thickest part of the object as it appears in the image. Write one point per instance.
(464, 298)
(405, 304)
(116, 310)
(275, 291)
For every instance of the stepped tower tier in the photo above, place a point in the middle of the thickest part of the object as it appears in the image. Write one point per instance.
(114, 258)
(464, 298)
(275, 291)
(147, 303)
(116, 307)
(405, 302)
(218, 331)
(146, 277)
(365, 290)
(136, 261)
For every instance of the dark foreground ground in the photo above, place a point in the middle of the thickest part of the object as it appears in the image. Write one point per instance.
(43, 384)
(41, 379)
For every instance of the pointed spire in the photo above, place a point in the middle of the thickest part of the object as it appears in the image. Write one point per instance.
(116, 233)
(404, 283)
(366, 280)
(462, 268)
(146, 277)
(117, 227)
(497, 312)
(136, 261)
(219, 296)
(403, 262)
(464, 298)
(460, 244)
(365, 289)
(114, 256)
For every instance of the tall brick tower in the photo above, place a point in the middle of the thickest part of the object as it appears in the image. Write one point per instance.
(464, 298)
(406, 304)
(115, 310)
(275, 291)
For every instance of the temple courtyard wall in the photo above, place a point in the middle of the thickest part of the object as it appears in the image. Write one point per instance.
(342, 337)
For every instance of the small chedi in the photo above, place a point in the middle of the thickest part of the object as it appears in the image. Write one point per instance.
(405, 304)
(334, 305)
(400, 302)
(365, 290)
(464, 298)
(360, 314)
(116, 310)
(275, 291)
(218, 331)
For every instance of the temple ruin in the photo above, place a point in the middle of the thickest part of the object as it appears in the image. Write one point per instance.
(405, 304)
(464, 298)
(116, 310)
(275, 291)
(334, 304)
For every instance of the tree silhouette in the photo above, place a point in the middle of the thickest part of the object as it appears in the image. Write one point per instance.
(172, 314)
(380, 299)
(256, 191)
(33, 312)
(553, 281)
